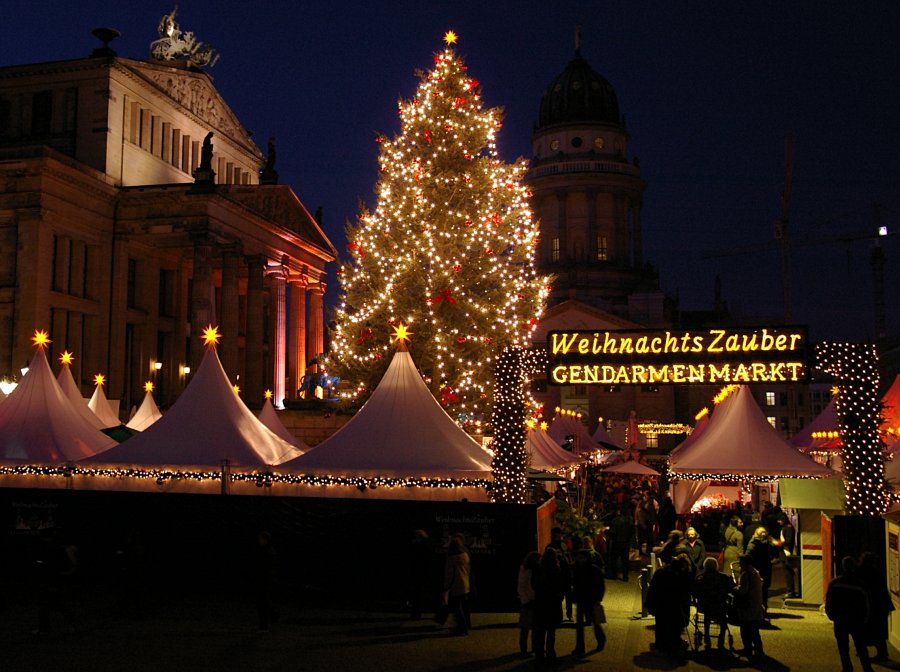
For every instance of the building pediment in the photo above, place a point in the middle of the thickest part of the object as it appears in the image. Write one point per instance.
(279, 204)
(577, 316)
(194, 92)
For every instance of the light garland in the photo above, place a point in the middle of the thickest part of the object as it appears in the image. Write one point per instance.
(261, 478)
(449, 249)
(664, 428)
(858, 411)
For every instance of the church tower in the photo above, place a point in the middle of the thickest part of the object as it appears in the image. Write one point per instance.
(587, 195)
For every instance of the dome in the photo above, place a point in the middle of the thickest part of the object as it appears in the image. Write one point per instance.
(579, 95)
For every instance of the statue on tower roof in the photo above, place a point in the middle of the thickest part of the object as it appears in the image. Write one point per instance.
(174, 45)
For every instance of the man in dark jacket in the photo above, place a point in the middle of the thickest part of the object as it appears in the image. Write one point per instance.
(620, 536)
(847, 605)
(589, 587)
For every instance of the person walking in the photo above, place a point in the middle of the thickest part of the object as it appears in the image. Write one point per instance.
(872, 577)
(548, 595)
(790, 558)
(711, 590)
(669, 601)
(620, 537)
(696, 549)
(525, 589)
(733, 544)
(558, 542)
(847, 605)
(762, 553)
(457, 569)
(589, 586)
(748, 601)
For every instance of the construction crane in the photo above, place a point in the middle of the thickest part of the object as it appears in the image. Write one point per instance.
(781, 227)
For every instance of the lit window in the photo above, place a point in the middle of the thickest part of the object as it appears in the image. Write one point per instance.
(652, 440)
(770, 398)
(554, 249)
(602, 249)
(772, 421)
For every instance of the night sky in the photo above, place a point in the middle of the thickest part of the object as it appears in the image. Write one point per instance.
(709, 90)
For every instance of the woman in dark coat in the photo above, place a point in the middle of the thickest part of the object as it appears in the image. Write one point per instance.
(880, 604)
(762, 552)
(669, 600)
(711, 590)
(456, 583)
(549, 590)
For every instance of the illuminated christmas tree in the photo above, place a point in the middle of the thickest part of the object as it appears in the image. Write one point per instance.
(448, 250)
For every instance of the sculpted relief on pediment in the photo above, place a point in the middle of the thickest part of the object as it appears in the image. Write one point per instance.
(198, 97)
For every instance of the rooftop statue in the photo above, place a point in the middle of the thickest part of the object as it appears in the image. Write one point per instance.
(173, 45)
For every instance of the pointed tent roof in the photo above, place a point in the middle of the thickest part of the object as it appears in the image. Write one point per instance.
(631, 467)
(564, 425)
(38, 424)
(400, 431)
(739, 440)
(602, 438)
(99, 404)
(826, 421)
(146, 415)
(545, 453)
(73, 394)
(693, 436)
(270, 419)
(207, 425)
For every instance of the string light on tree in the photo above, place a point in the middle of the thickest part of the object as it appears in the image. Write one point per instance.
(448, 248)
(858, 409)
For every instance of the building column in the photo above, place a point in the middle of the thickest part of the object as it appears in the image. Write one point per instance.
(253, 357)
(230, 327)
(297, 338)
(315, 330)
(278, 335)
(202, 310)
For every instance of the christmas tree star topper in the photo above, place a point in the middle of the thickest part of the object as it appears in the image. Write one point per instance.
(450, 37)
(99, 380)
(66, 358)
(211, 336)
(41, 338)
(148, 386)
(401, 333)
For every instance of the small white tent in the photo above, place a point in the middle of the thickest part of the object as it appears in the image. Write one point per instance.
(100, 406)
(545, 453)
(565, 425)
(146, 415)
(269, 417)
(740, 441)
(38, 424)
(401, 431)
(206, 426)
(73, 394)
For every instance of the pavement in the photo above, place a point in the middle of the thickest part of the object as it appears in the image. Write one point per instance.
(214, 628)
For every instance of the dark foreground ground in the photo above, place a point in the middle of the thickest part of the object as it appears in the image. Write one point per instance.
(215, 629)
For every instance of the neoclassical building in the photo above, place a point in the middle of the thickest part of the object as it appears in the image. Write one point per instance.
(132, 215)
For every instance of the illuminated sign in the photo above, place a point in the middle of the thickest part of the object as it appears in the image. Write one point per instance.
(696, 356)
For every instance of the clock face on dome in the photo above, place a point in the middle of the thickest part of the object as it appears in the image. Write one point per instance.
(554, 145)
(598, 143)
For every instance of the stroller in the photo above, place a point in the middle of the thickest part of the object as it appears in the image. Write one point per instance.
(711, 604)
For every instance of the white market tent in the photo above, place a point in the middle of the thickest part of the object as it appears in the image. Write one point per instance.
(269, 417)
(737, 441)
(565, 425)
(73, 394)
(100, 406)
(602, 438)
(146, 415)
(545, 453)
(631, 467)
(401, 431)
(38, 424)
(826, 421)
(206, 426)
